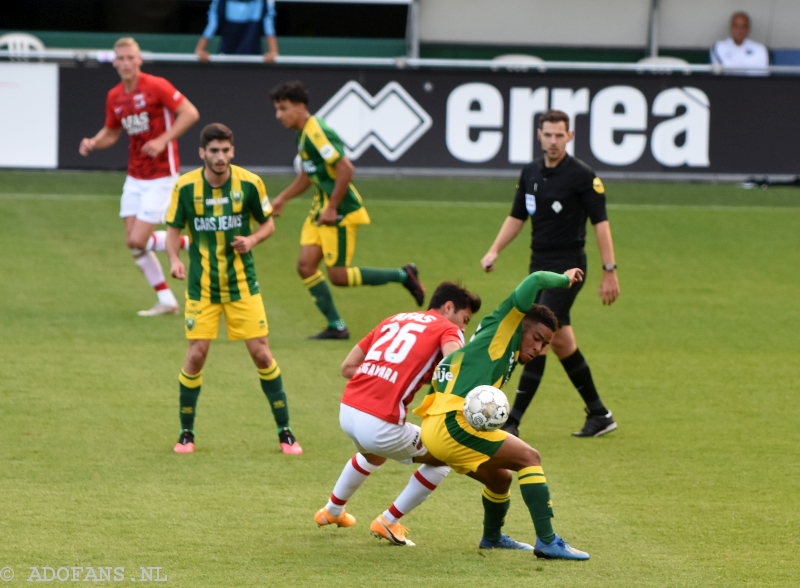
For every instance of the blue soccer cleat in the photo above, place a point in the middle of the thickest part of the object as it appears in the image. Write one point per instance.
(558, 549)
(505, 542)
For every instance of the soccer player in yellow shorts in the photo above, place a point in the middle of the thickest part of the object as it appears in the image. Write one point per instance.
(329, 232)
(217, 204)
(516, 332)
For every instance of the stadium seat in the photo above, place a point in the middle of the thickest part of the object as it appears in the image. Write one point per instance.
(20, 45)
(786, 57)
(517, 62)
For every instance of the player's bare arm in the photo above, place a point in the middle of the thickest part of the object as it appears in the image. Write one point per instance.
(176, 269)
(354, 359)
(344, 173)
(609, 283)
(242, 244)
(186, 115)
(575, 275)
(104, 139)
(510, 229)
(300, 184)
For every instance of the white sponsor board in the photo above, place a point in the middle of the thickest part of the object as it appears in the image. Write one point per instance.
(29, 103)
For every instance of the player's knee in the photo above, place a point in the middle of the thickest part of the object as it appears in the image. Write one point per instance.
(338, 278)
(136, 242)
(196, 358)
(529, 457)
(304, 269)
(501, 481)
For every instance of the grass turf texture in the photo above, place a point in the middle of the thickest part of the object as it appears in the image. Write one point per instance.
(697, 359)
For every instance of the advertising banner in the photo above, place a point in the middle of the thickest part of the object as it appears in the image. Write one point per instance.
(473, 121)
(29, 103)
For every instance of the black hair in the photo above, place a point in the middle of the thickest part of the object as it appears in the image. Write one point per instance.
(295, 92)
(457, 294)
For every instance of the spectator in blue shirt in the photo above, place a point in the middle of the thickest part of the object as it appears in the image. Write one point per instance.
(240, 24)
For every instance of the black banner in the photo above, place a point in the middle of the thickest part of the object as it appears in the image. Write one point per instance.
(471, 119)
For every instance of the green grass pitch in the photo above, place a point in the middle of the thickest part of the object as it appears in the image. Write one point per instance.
(698, 359)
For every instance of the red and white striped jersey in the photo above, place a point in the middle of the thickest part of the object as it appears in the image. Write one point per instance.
(145, 113)
(401, 354)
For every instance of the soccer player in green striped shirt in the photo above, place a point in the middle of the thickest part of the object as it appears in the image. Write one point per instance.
(329, 232)
(219, 203)
(516, 332)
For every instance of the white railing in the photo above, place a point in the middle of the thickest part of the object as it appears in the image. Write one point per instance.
(401, 62)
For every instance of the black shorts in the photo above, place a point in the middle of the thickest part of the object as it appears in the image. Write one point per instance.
(559, 300)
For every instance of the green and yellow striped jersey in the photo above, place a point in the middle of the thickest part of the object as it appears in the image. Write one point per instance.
(214, 216)
(491, 355)
(320, 148)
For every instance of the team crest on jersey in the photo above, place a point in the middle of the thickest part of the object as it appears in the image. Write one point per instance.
(236, 196)
(530, 203)
(190, 323)
(138, 101)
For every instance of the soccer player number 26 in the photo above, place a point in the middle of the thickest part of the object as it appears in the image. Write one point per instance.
(401, 344)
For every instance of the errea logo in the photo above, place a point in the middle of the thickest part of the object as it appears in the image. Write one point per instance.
(391, 121)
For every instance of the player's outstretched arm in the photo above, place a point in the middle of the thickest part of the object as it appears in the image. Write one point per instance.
(185, 116)
(244, 244)
(524, 295)
(510, 229)
(609, 284)
(104, 139)
(354, 359)
(177, 269)
(300, 184)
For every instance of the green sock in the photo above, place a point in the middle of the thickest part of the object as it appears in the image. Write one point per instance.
(371, 276)
(190, 390)
(321, 293)
(272, 385)
(536, 495)
(495, 507)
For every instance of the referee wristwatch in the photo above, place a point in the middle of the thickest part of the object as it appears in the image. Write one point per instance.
(609, 267)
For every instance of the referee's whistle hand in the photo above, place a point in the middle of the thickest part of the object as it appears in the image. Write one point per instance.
(487, 263)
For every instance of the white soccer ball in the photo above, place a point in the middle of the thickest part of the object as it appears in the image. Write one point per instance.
(486, 408)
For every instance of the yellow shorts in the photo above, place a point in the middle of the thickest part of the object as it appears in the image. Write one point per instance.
(450, 439)
(338, 243)
(244, 318)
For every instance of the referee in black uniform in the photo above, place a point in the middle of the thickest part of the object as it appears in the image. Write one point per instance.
(559, 193)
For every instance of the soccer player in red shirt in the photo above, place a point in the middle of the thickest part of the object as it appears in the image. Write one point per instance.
(146, 107)
(385, 370)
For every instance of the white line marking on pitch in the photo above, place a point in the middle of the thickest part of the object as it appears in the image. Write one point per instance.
(452, 204)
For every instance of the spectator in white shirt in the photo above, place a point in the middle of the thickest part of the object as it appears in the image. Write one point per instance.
(737, 51)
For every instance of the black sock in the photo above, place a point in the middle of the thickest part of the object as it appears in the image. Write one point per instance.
(578, 371)
(528, 384)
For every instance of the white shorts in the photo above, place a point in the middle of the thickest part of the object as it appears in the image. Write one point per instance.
(147, 200)
(373, 435)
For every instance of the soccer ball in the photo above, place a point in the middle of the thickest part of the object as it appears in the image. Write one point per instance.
(486, 408)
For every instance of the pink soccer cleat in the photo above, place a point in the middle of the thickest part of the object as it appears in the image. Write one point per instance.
(288, 443)
(185, 443)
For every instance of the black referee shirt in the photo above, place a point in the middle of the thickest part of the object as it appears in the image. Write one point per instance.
(559, 199)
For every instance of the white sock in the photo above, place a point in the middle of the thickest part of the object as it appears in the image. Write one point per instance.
(151, 268)
(420, 486)
(354, 474)
(158, 242)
